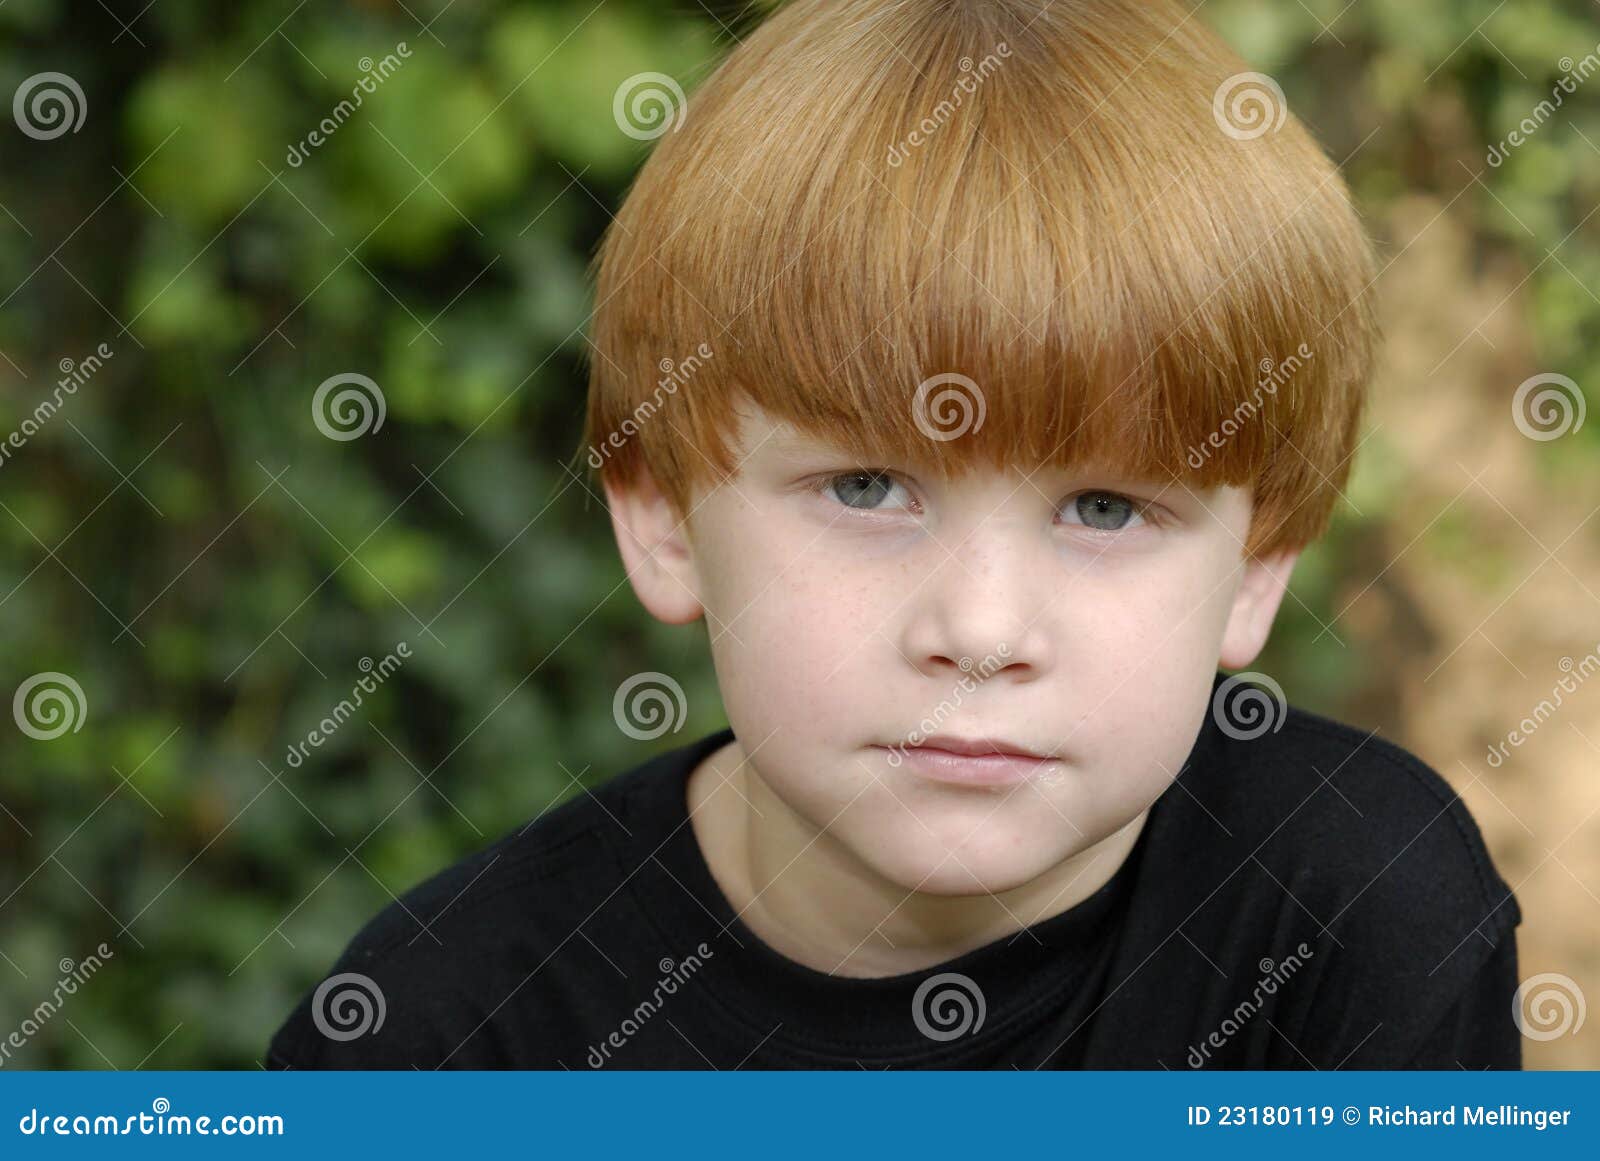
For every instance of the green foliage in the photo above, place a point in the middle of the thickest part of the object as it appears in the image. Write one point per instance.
(222, 568)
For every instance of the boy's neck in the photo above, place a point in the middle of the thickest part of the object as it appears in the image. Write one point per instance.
(810, 899)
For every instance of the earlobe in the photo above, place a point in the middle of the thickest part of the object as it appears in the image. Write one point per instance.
(654, 543)
(1255, 605)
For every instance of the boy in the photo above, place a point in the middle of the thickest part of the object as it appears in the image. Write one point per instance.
(1033, 342)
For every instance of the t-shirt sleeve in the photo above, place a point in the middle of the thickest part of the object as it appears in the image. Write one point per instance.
(300, 1044)
(380, 1008)
(296, 1044)
(286, 1050)
(1479, 1029)
(402, 1034)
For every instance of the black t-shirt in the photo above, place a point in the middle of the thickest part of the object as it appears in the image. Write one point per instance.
(1311, 897)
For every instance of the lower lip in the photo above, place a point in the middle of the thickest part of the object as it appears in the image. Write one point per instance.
(969, 770)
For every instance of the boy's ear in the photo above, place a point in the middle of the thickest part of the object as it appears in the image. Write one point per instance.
(655, 550)
(1254, 606)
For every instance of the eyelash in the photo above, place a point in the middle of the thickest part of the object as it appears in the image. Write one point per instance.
(1145, 510)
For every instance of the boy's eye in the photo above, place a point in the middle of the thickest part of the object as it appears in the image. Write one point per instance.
(864, 489)
(869, 488)
(1105, 511)
(873, 489)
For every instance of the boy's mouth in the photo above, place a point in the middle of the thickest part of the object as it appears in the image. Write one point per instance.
(979, 747)
(971, 761)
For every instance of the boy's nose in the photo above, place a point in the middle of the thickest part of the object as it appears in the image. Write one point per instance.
(982, 611)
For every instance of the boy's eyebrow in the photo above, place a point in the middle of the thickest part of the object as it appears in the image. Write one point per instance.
(789, 443)
(792, 444)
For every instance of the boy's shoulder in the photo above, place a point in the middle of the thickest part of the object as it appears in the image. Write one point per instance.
(1294, 834)
(1359, 820)
(446, 957)
(563, 841)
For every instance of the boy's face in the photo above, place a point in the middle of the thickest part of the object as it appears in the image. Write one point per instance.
(1078, 615)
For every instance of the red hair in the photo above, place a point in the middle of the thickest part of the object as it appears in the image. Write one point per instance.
(1086, 218)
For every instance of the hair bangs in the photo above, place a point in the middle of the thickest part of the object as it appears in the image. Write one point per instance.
(949, 235)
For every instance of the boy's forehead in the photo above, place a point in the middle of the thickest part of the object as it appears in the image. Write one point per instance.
(762, 437)
(784, 441)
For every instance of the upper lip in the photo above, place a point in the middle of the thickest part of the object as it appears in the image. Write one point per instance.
(977, 747)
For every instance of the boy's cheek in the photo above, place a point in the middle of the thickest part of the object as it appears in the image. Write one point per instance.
(802, 611)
